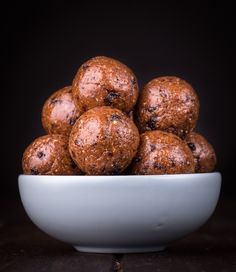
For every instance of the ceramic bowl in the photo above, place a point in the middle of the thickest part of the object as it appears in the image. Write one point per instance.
(120, 214)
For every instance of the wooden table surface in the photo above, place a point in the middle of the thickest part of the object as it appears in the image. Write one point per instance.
(23, 247)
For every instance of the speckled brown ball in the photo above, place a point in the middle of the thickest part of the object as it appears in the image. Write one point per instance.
(49, 155)
(103, 81)
(203, 152)
(162, 153)
(103, 141)
(60, 112)
(169, 104)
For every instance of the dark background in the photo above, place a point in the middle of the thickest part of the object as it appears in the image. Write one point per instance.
(44, 45)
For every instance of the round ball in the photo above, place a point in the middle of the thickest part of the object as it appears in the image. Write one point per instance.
(169, 104)
(162, 153)
(203, 152)
(49, 155)
(60, 112)
(103, 141)
(103, 81)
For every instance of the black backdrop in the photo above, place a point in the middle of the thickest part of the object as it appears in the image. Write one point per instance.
(44, 44)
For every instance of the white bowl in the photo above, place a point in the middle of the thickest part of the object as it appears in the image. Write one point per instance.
(120, 214)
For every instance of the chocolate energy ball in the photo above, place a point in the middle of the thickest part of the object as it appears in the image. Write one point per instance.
(103, 141)
(60, 112)
(103, 81)
(203, 152)
(49, 155)
(169, 104)
(162, 153)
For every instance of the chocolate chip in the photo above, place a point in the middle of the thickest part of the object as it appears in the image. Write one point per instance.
(56, 101)
(183, 134)
(172, 162)
(130, 114)
(78, 142)
(151, 109)
(115, 117)
(152, 123)
(94, 144)
(172, 129)
(109, 153)
(152, 147)
(85, 66)
(40, 155)
(53, 125)
(187, 98)
(133, 81)
(163, 93)
(157, 165)
(72, 121)
(138, 159)
(192, 146)
(34, 172)
(190, 115)
(108, 100)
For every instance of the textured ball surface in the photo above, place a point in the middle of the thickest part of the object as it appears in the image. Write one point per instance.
(103, 141)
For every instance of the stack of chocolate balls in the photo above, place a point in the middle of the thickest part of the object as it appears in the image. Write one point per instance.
(102, 126)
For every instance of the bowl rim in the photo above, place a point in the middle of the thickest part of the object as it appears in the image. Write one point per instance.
(120, 176)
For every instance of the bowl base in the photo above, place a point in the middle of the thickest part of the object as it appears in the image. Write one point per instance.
(119, 249)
